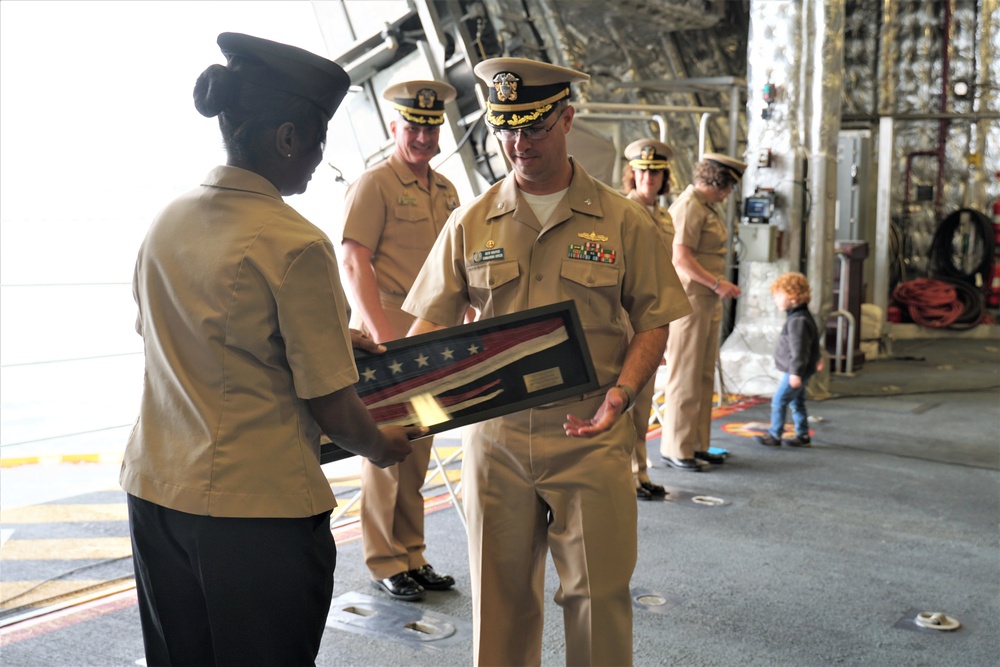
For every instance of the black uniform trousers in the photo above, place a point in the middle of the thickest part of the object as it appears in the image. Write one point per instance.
(231, 591)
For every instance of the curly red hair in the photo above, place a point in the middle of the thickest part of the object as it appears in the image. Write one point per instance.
(793, 284)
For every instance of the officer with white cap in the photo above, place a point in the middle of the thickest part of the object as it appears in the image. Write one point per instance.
(555, 478)
(648, 179)
(699, 251)
(393, 213)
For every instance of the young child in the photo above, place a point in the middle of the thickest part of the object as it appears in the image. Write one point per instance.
(797, 355)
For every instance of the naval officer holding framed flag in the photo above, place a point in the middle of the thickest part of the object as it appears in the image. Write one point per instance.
(557, 477)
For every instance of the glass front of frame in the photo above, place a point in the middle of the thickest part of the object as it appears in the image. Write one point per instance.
(472, 372)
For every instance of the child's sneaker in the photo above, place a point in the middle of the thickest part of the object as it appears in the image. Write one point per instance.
(797, 441)
(767, 440)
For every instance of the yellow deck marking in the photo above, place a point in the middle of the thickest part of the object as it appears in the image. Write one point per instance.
(61, 549)
(55, 460)
(65, 513)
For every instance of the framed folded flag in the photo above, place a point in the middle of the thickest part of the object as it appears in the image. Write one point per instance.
(472, 372)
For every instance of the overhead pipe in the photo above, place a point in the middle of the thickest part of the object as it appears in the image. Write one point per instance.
(703, 132)
(615, 106)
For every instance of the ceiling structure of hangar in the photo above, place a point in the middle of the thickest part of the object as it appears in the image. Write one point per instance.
(680, 59)
(632, 50)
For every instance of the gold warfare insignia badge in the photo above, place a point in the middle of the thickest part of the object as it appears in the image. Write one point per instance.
(426, 98)
(506, 83)
(647, 153)
(490, 244)
(592, 236)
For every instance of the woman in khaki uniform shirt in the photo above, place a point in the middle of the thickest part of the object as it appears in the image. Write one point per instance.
(247, 360)
(699, 251)
(647, 180)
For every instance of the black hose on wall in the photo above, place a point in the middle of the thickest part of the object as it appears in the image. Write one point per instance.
(943, 254)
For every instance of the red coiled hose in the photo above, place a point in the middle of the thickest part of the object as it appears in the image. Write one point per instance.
(932, 303)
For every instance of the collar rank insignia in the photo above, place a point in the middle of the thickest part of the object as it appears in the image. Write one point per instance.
(592, 236)
(506, 83)
(426, 98)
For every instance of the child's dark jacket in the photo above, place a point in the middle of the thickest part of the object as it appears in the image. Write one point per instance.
(797, 351)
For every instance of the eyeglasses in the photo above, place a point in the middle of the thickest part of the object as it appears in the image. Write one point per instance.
(431, 130)
(529, 133)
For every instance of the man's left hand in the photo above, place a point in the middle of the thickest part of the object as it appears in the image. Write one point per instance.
(615, 402)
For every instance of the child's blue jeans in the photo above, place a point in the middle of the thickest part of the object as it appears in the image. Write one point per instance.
(784, 396)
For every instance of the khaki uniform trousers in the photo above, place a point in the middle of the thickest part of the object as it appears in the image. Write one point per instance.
(392, 507)
(640, 416)
(692, 349)
(528, 489)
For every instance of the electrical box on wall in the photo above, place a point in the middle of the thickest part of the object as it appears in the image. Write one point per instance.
(760, 242)
(758, 207)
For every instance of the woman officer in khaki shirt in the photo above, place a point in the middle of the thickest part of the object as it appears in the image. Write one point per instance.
(648, 179)
(699, 251)
(247, 359)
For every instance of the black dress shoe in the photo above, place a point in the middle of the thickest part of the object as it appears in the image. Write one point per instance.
(690, 465)
(401, 587)
(431, 580)
(654, 490)
(710, 458)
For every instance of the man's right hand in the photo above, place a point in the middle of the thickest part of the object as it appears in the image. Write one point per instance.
(395, 444)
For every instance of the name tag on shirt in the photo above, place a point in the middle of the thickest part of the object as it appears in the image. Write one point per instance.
(488, 255)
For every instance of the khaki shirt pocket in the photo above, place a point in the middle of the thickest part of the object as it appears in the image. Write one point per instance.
(594, 285)
(413, 229)
(492, 285)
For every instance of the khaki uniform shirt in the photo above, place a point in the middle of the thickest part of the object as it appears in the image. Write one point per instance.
(388, 212)
(496, 256)
(660, 216)
(698, 225)
(243, 318)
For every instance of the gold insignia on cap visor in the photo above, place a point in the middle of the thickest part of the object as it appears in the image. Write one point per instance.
(425, 117)
(647, 153)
